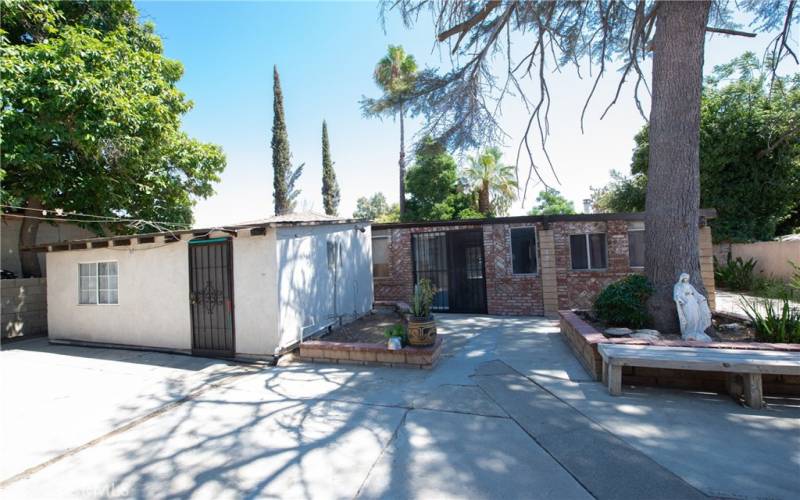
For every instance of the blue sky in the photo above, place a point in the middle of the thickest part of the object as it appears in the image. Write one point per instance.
(325, 53)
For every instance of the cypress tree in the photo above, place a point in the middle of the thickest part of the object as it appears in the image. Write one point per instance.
(281, 158)
(330, 188)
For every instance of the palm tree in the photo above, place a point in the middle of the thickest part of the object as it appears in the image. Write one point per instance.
(395, 74)
(494, 182)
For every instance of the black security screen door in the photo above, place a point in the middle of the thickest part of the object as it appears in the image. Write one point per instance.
(211, 296)
(453, 261)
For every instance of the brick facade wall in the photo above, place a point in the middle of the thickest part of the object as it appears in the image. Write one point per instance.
(578, 289)
(508, 293)
(554, 286)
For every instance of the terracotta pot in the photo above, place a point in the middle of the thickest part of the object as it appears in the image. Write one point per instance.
(421, 332)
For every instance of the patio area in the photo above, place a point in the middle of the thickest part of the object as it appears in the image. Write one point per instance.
(507, 412)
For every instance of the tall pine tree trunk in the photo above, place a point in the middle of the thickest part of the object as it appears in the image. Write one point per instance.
(673, 187)
(402, 163)
(29, 261)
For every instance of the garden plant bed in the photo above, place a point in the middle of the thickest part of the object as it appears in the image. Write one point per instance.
(362, 343)
(742, 332)
(583, 339)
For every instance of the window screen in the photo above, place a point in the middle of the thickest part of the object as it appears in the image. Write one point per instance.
(588, 251)
(98, 283)
(636, 248)
(523, 250)
(380, 257)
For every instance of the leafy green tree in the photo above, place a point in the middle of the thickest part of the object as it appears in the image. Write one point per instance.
(330, 188)
(433, 186)
(494, 183)
(462, 106)
(622, 194)
(749, 154)
(395, 74)
(550, 202)
(91, 116)
(375, 208)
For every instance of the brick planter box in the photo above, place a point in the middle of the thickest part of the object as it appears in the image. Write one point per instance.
(583, 339)
(370, 354)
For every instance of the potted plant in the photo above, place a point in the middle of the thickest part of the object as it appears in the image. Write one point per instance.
(421, 325)
(396, 337)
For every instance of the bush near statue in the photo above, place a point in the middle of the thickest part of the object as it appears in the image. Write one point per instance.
(624, 304)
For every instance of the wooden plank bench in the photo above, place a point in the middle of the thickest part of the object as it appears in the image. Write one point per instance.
(751, 364)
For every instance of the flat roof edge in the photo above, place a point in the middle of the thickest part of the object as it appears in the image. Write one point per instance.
(706, 213)
(81, 244)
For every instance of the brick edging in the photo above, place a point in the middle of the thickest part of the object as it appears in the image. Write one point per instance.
(593, 336)
(370, 354)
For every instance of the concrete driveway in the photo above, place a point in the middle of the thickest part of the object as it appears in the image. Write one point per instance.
(508, 412)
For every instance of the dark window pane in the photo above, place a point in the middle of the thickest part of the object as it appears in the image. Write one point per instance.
(523, 250)
(597, 249)
(636, 248)
(577, 247)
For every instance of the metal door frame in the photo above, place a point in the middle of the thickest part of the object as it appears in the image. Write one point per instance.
(449, 271)
(227, 242)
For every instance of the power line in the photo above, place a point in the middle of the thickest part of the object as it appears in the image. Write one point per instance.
(102, 218)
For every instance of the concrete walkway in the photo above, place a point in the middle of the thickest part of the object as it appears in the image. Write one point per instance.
(507, 413)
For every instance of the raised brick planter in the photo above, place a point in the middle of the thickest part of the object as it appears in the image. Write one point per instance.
(370, 354)
(583, 339)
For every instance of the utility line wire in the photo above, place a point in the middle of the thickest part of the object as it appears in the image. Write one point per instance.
(104, 218)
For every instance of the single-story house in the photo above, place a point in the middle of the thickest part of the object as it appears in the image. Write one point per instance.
(528, 265)
(249, 290)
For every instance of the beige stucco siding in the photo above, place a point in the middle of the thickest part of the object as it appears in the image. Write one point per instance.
(153, 309)
(255, 294)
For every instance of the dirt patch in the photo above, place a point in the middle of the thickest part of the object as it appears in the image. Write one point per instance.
(367, 329)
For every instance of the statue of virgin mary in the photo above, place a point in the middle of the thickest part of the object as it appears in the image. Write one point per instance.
(693, 312)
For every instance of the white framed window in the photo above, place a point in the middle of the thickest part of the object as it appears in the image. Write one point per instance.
(588, 251)
(523, 250)
(636, 247)
(98, 283)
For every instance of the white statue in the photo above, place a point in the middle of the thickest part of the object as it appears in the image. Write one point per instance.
(693, 312)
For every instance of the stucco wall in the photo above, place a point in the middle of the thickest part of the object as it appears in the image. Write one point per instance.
(153, 307)
(772, 257)
(255, 294)
(309, 297)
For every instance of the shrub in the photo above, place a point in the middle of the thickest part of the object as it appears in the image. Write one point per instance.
(624, 303)
(735, 274)
(773, 288)
(774, 323)
(794, 281)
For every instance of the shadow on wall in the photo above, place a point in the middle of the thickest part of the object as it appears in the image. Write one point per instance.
(324, 277)
(24, 307)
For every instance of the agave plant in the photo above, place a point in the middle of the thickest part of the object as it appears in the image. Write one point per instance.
(774, 321)
(424, 292)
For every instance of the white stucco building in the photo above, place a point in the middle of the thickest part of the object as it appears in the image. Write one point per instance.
(251, 289)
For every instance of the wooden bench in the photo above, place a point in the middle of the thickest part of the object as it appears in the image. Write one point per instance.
(751, 364)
